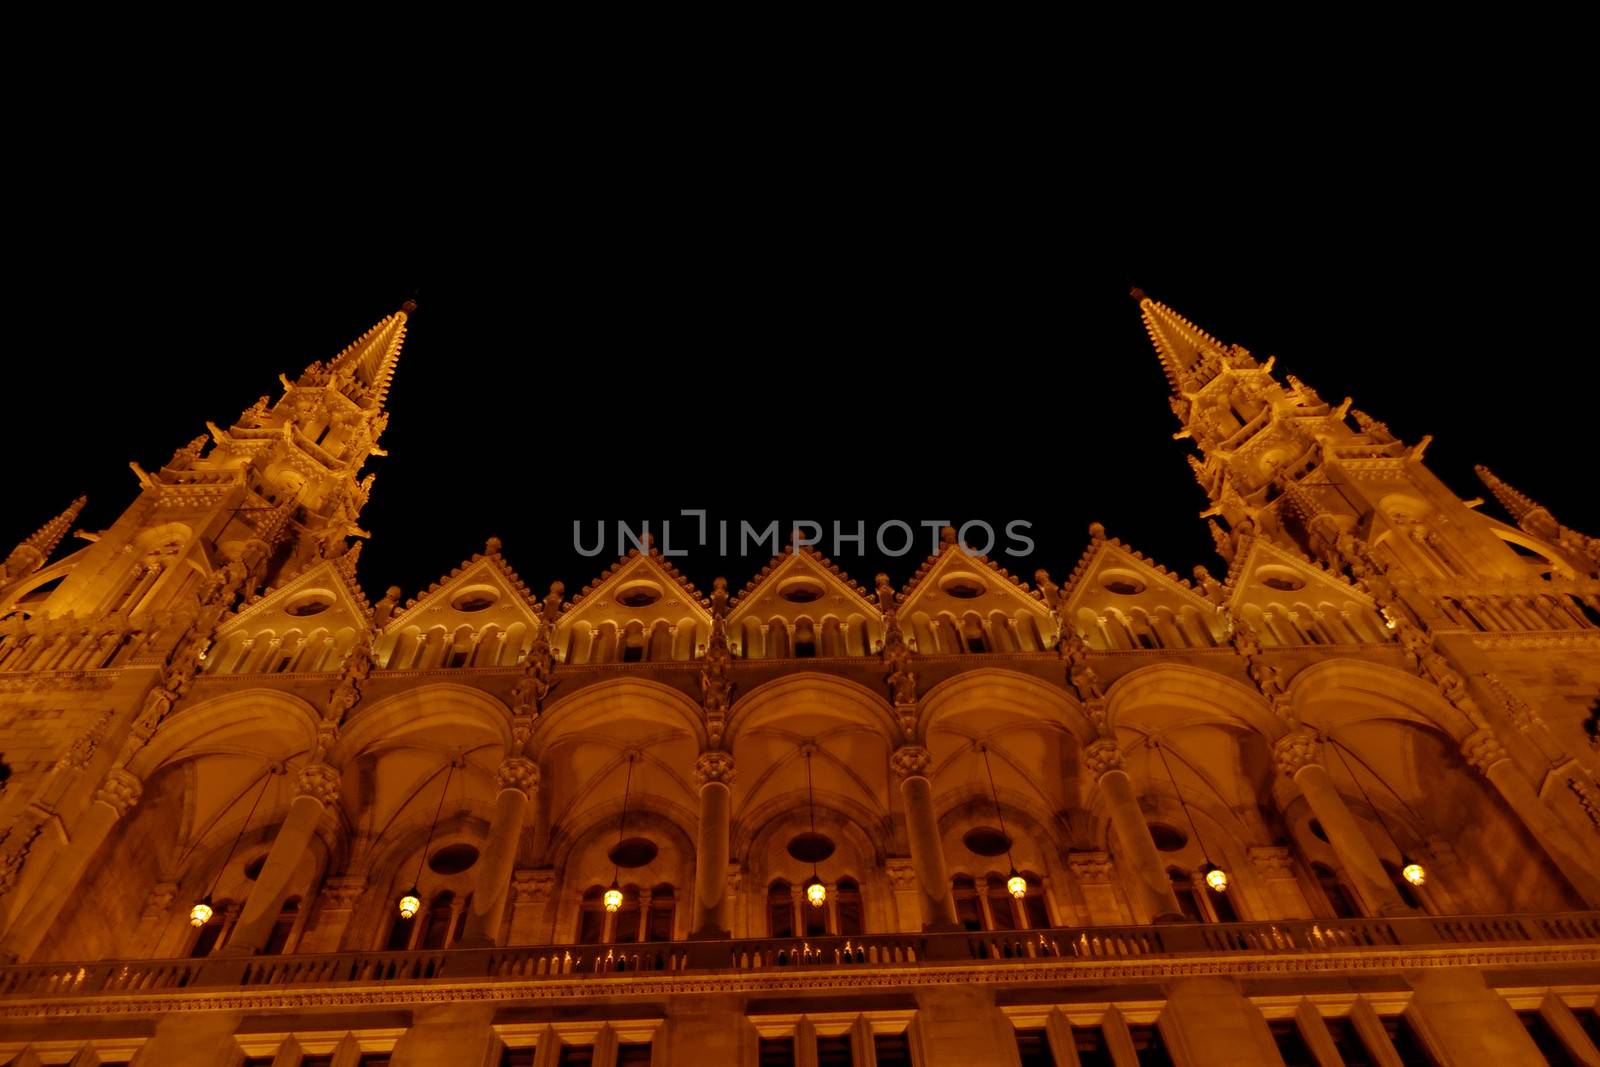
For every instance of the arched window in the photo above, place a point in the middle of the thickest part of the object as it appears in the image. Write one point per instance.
(211, 931)
(968, 913)
(1221, 906)
(1001, 904)
(278, 940)
(1183, 889)
(662, 903)
(440, 913)
(780, 910)
(461, 919)
(1338, 897)
(1033, 905)
(1403, 887)
(592, 916)
(849, 908)
(400, 931)
(814, 919)
(626, 928)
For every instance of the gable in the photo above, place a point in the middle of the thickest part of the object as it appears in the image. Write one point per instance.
(1288, 600)
(809, 597)
(956, 598)
(1119, 599)
(640, 604)
(306, 624)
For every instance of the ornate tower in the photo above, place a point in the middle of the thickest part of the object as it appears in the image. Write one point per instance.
(31, 554)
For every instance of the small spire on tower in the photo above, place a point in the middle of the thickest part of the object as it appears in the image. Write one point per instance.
(1188, 354)
(34, 551)
(1514, 502)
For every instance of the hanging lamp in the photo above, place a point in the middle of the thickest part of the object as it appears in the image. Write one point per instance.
(1410, 869)
(1215, 876)
(411, 901)
(202, 911)
(816, 892)
(613, 897)
(1016, 885)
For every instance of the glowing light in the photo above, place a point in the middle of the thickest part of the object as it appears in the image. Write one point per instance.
(201, 913)
(1016, 885)
(1414, 873)
(613, 898)
(816, 892)
(1217, 879)
(409, 904)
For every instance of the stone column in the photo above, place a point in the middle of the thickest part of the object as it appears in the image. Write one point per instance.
(1296, 755)
(1152, 887)
(117, 795)
(956, 1026)
(912, 765)
(518, 780)
(316, 787)
(530, 894)
(335, 906)
(1208, 1020)
(714, 771)
(1461, 1020)
(1489, 758)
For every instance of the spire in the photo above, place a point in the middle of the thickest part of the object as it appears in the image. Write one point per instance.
(32, 553)
(1514, 502)
(365, 368)
(1189, 355)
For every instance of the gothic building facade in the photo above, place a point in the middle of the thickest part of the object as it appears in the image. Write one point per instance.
(1336, 800)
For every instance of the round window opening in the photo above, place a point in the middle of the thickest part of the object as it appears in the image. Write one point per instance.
(1317, 831)
(632, 852)
(1282, 580)
(1122, 584)
(638, 596)
(810, 847)
(252, 870)
(963, 587)
(987, 841)
(311, 605)
(803, 591)
(475, 600)
(1167, 838)
(453, 859)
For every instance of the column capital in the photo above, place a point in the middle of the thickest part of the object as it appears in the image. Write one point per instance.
(519, 773)
(902, 873)
(119, 791)
(159, 900)
(1294, 752)
(1093, 868)
(342, 891)
(1272, 861)
(714, 766)
(911, 761)
(1483, 750)
(532, 885)
(1102, 757)
(320, 781)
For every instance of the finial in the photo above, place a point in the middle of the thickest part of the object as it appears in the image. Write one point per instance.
(1138, 295)
(409, 307)
(1097, 531)
(491, 546)
(947, 535)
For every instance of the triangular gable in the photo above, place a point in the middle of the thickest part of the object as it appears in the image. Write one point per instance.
(1264, 572)
(772, 591)
(275, 609)
(451, 600)
(955, 582)
(1111, 574)
(640, 587)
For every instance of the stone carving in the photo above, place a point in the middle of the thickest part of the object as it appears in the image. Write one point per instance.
(1272, 861)
(532, 885)
(383, 609)
(902, 873)
(320, 781)
(519, 773)
(1102, 757)
(714, 766)
(902, 680)
(158, 900)
(1294, 752)
(1483, 750)
(716, 673)
(1091, 868)
(120, 791)
(911, 761)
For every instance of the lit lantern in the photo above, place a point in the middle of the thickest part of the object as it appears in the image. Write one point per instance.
(409, 903)
(201, 913)
(613, 898)
(1016, 885)
(1413, 871)
(816, 892)
(1216, 878)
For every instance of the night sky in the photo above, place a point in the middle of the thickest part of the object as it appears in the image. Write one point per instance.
(826, 372)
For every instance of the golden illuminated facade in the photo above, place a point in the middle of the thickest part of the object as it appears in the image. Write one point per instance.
(1336, 798)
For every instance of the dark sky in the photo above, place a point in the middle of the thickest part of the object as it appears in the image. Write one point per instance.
(813, 369)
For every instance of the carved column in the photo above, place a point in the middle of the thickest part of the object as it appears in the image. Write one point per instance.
(1489, 758)
(714, 771)
(518, 780)
(335, 906)
(117, 795)
(1152, 887)
(316, 787)
(1296, 755)
(912, 765)
(530, 895)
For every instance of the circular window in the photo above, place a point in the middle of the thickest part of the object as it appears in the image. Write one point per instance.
(310, 604)
(475, 600)
(1283, 580)
(1121, 583)
(632, 852)
(453, 859)
(1167, 838)
(987, 841)
(963, 586)
(252, 870)
(1317, 831)
(811, 847)
(638, 595)
(801, 591)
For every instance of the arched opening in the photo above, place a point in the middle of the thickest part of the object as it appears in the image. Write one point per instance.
(780, 910)
(663, 901)
(849, 908)
(968, 912)
(592, 917)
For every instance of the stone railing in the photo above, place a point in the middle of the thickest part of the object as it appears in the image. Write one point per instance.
(1302, 936)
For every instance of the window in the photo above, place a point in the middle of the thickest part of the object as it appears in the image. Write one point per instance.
(1183, 889)
(625, 931)
(1403, 887)
(1149, 1047)
(780, 910)
(662, 902)
(1221, 906)
(834, 1051)
(776, 1052)
(1001, 911)
(1550, 1046)
(1090, 1044)
(891, 1050)
(1407, 1045)
(848, 895)
(814, 918)
(211, 932)
(1338, 897)
(1292, 1044)
(400, 931)
(278, 940)
(517, 1057)
(1348, 1041)
(633, 1055)
(965, 891)
(1033, 905)
(1033, 1049)
(592, 917)
(576, 1056)
(436, 934)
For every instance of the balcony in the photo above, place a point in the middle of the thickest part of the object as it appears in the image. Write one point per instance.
(884, 954)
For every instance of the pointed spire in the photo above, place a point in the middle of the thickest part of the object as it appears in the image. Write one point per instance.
(1185, 349)
(1514, 502)
(32, 553)
(368, 362)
